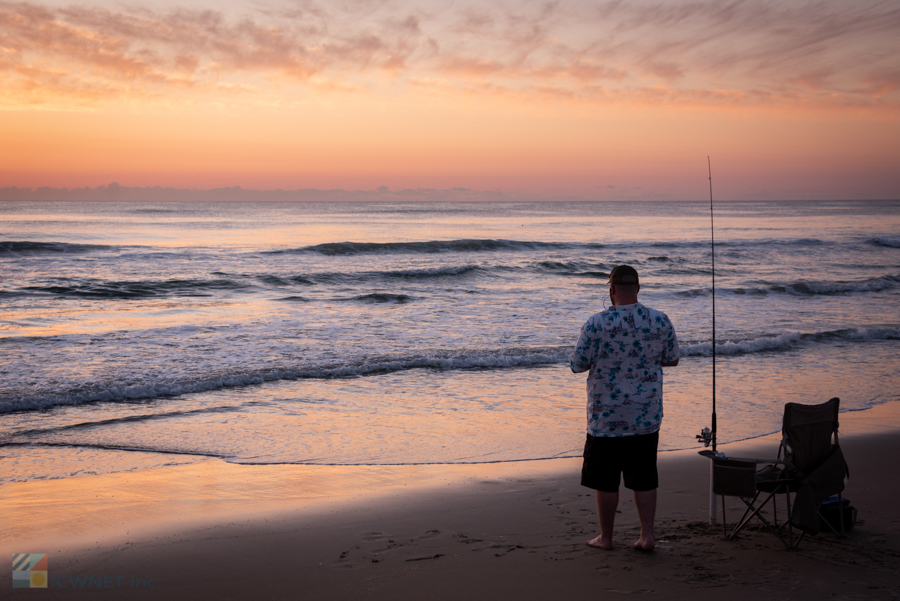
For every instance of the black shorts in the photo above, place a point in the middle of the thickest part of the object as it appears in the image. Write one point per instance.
(606, 458)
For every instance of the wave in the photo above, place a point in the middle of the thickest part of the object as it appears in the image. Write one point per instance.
(115, 390)
(139, 289)
(492, 245)
(28, 248)
(786, 341)
(299, 279)
(430, 247)
(255, 461)
(892, 242)
(136, 289)
(432, 272)
(571, 268)
(735, 243)
(402, 274)
(151, 386)
(380, 297)
(274, 280)
(830, 288)
(25, 433)
(878, 284)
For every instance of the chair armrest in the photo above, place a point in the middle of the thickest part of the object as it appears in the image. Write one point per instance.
(757, 460)
(710, 455)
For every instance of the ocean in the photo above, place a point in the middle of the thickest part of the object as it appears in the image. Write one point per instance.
(137, 335)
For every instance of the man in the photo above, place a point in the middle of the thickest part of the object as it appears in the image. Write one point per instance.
(625, 348)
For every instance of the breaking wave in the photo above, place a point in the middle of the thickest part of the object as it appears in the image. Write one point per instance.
(27, 248)
(786, 341)
(153, 385)
(139, 289)
(887, 282)
(162, 386)
(136, 289)
(893, 242)
(434, 246)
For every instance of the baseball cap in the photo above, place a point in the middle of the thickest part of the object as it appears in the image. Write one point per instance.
(624, 275)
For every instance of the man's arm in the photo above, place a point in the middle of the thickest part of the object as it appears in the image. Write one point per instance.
(580, 360)
(672, 351)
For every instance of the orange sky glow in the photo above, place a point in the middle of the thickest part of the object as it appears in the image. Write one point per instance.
(608, 100)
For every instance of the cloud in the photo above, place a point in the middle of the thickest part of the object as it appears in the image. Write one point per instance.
(738, 53)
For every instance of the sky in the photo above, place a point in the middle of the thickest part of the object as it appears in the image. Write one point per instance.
(595, 100)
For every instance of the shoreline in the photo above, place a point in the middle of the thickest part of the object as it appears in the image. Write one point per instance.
(223, 490)
(421, 526)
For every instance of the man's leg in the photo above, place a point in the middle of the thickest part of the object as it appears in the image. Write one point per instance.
(645, 501)
(607, 502)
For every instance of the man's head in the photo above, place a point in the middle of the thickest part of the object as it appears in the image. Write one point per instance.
(624, 285)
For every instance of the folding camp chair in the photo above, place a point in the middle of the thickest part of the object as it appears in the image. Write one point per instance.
(814, 460)
(809, 463)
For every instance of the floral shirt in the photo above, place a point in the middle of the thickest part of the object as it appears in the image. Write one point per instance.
(623, 347)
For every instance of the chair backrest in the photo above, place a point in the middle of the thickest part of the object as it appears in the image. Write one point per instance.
(807, 432)
(734, 478)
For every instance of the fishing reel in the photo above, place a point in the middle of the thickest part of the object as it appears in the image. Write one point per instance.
(705, 436)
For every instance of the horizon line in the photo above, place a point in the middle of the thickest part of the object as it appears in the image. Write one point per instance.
(115, 192)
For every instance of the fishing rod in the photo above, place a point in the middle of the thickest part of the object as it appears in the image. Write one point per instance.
(708, 436)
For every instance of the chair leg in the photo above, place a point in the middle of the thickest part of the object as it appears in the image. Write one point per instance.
(794, 545)
(787, 500)
(756, 512)
(775, 511)
(751, 511)
(744, 518)
(842, 532)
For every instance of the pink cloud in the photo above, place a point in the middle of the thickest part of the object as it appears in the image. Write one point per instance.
(825, 53)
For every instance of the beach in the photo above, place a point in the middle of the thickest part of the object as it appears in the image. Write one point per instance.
(216, 530)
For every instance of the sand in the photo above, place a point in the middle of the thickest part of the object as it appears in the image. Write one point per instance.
(213, 530)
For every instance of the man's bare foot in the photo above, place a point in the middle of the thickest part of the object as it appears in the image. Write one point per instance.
(600, 542)
(644, 545)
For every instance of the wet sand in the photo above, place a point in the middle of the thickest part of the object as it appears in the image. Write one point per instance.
(221, 531)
